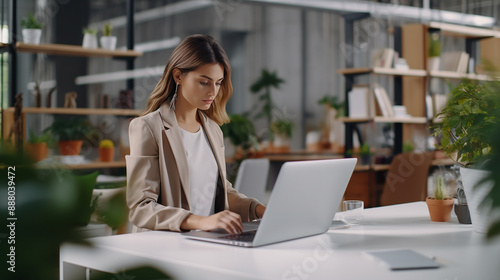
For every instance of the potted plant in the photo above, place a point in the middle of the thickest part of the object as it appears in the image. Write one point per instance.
(468, 121)
(106, 150)
(108, 41)
(282, 131)
(434, 52)
(239, 136)
(331, 125)
(365, 153)
(89, 38)
(265, 82)
(440, 205)
(69, 133)
(32, 29)
(38, 145)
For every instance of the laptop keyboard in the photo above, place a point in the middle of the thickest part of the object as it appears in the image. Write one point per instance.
(244, 236)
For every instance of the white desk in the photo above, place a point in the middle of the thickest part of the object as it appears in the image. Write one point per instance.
(336, 255)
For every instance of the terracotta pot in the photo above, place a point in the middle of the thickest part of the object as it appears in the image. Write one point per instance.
(70, 147)
(440, 210)
(106, 154)
(38, 151)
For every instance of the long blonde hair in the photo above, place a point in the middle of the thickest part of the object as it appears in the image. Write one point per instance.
(191, 53)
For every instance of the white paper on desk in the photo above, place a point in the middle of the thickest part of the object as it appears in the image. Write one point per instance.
(403, 259)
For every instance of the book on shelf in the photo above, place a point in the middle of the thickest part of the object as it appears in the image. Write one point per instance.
(383, 101)
(454, 62)
(383, 58)
(359, 102)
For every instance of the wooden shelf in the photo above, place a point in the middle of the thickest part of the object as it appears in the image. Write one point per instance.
(464, 31)
(456, 75)
(419, 120)
(97, 165)
(354, 71)
(400, 72)
(383, 71)
(355, 120)
(378, 119)
(70, 50)
(78, 111)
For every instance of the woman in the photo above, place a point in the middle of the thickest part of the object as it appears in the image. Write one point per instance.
(176, 178)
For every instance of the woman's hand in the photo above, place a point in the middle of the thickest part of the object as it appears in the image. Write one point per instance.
(227, 220)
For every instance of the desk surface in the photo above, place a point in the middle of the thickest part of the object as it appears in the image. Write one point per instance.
(462, 253)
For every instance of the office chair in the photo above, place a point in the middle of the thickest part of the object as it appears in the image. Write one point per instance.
(251, 179)
(406, 180)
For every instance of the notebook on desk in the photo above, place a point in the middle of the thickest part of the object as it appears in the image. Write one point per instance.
(304, 201)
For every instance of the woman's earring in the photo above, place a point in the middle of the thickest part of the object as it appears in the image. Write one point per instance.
(174, 98)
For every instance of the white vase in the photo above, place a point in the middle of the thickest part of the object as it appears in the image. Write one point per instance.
(108, 42)
(32, 36)
(479, 214)
(89, 41)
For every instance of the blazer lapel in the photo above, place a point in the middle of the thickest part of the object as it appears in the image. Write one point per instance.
(173, 134)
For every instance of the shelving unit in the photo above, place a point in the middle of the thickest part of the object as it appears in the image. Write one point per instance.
(70, 50)
(128, 56)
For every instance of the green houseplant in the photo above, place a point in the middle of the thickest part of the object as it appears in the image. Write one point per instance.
(89, 38)
(240, 133)
(469, 120)
(262, 87)
(108, 41)
(69, 133)
(51, 206)
(32, 29)
(38, 145)
(282, 130)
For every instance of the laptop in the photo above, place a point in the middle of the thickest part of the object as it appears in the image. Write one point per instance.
(304, 201)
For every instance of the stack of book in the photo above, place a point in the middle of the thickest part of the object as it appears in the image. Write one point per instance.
(383, 101)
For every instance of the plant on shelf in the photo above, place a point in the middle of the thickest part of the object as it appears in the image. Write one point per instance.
(69, 133)
(106, 150)
(240, 133)
(38, 145)
(434, 54)
(440, 205)
(108, 41)
(333, 109)
(365, 153)
(469, 121)
(282, 130)
(262, 87)
(32, 29)
(89, 38)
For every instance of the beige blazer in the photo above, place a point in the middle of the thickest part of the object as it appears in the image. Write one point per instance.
(158, 189)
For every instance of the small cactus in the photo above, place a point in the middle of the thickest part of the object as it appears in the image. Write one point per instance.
(107, 29)
(439, 191)
(106, 143)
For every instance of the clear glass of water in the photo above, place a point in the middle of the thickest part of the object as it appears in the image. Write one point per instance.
(353, 211)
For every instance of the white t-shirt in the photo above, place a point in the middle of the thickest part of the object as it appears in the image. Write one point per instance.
(203, 171)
